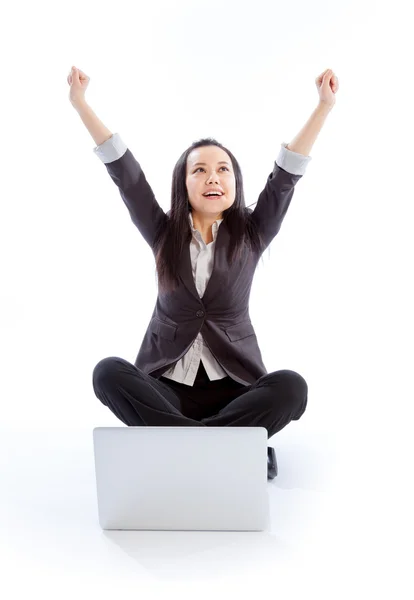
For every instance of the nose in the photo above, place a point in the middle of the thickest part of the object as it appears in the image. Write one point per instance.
(215, 176)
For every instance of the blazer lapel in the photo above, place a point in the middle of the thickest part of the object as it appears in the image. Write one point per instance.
(213, 284)
(186, 272)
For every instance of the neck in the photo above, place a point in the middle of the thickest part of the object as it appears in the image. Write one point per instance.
(204, 224)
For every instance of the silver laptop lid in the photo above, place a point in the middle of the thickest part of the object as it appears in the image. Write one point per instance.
(182, 478)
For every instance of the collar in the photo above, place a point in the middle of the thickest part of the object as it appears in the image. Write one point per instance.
(215, 224)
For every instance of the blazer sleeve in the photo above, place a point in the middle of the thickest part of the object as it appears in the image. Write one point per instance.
(274, 200)
(126, 172)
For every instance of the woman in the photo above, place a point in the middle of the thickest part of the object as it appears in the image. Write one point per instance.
(199, 362)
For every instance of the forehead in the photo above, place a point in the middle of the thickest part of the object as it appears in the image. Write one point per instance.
(208, 154)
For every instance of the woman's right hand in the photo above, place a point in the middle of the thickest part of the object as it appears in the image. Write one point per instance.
(78, 82)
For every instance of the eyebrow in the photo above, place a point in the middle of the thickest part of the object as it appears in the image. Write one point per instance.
(221, 162)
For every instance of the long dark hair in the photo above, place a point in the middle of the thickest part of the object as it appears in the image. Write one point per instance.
(173, 236)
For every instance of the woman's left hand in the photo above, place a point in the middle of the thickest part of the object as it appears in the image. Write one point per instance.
(327, 84)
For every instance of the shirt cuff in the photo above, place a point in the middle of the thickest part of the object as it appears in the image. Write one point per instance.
(111, 149)
(292, 162)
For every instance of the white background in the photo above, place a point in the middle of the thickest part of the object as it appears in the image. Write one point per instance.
(333, 299)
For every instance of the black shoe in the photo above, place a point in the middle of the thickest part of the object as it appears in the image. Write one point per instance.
(271, 463)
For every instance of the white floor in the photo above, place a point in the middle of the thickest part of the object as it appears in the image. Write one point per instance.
(337, 528)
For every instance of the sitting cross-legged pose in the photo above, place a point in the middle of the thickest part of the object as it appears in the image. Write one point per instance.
(199, 363)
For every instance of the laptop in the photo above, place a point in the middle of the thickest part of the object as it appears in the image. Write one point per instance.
(182, 478)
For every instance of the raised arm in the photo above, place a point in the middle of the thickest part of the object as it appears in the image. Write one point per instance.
(124, 170)
(292, 161)
(96, 128)
(289, 167)
(274, 200)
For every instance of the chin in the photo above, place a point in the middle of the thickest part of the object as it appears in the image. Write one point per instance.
(210, 206)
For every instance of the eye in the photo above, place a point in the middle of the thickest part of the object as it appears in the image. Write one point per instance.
(203, 169)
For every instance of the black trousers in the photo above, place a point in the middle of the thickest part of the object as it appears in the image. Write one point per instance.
(139, 399)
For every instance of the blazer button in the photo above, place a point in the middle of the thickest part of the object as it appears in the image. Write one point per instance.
(200, 313)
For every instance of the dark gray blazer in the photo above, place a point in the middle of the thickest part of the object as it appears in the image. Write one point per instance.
(222, 315)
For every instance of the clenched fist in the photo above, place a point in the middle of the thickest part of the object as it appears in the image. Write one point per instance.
(78, 82)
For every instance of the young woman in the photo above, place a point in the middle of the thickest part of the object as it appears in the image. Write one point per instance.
(199, 362)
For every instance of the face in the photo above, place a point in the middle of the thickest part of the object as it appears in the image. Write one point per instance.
(216, 172)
